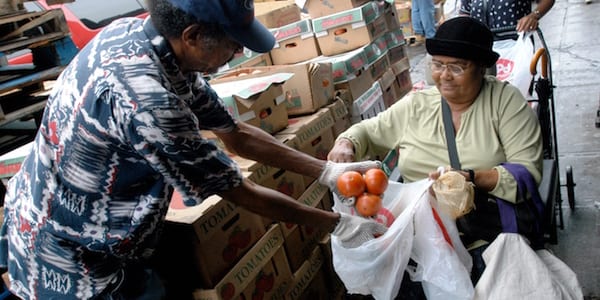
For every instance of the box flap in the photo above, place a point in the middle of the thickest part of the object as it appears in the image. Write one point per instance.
(394, 38)
(246, 88)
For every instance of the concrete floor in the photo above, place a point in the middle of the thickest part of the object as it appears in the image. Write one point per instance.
(572, 33)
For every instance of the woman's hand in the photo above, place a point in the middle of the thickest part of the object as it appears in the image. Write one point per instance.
(342, 151)
(529, 22)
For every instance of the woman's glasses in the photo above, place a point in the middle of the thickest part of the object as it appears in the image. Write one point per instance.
(455, 69)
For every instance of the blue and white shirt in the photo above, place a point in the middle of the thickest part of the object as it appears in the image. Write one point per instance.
(499, 13)
(120, 129)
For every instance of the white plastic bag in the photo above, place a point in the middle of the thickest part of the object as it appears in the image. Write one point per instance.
(514, 61)
(442, 267)
(376, 268)
(515, 271)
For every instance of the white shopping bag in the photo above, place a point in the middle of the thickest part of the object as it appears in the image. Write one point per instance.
(514, 61)
(515, 271)
(377, 267)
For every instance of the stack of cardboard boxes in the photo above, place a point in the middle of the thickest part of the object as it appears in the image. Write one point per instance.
(338, 63)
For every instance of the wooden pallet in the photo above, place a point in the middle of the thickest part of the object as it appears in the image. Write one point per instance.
(31, 29)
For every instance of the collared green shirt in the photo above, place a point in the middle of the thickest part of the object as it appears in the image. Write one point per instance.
(498, 127)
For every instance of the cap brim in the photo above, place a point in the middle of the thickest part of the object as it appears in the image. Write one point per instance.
(255, 37)
(461, 49)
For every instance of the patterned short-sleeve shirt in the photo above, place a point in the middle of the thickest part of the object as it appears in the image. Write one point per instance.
(500, 13)
(120, 131)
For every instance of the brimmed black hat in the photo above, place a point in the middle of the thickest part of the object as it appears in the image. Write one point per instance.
(464, 37)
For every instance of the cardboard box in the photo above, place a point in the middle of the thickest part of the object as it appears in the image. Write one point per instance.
(390, 164)
(309, 89)
(388, 89)
(350, 72)
(246, 270)
(348, 30)
(391, 16)
(294, 43)
(277, 13)
(332, 280)
(258, 101)
(320, 8)
(341, 117)
(272, 281)
(369, 104)
(396, 46)
(377, 60)
(312, 134)
(10, 162)
(247, 58)
(345, 66)
(403, 12)
(305, 274)
(216, 233)
(317, 287)
(402, 71)
(311, 196)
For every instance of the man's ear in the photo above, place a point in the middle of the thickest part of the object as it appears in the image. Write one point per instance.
(190, 35)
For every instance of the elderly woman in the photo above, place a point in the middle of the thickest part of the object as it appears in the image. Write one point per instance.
(491, 120)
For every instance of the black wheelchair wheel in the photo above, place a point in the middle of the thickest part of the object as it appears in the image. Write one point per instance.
(570, 187)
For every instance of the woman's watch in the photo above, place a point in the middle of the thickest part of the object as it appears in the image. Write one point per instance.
(471, 175)
(537, 13)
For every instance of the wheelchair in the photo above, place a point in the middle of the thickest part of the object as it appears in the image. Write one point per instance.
(541, 99)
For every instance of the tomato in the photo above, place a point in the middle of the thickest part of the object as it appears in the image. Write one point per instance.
(351, 184)
(376, 181)
(368, 205)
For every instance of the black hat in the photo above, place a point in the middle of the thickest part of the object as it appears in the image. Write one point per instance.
(464, 37)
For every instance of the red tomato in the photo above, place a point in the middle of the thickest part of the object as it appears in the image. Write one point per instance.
(368, 205)
(351, 184)
(376, 181)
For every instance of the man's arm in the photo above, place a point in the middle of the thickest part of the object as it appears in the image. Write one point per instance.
(278, 206)
(254, 143)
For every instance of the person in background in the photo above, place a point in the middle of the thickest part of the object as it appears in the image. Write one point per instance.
(423, 20)
(492, 122)
(506, 13)
(121, 129)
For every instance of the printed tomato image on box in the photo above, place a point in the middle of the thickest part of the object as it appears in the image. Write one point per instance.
(216, 234)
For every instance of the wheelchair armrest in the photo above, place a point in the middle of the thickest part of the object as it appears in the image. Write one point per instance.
(549, 193)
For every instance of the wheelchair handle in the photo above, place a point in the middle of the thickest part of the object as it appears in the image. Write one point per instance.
(541, 52)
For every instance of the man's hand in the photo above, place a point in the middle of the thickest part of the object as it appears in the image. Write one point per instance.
(354, 231)
(333, 170)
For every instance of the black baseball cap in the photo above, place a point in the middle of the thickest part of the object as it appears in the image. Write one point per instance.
(236, 17)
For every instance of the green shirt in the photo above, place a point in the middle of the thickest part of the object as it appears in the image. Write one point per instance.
(498, 127)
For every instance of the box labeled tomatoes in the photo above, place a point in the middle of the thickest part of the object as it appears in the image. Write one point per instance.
(272, 281)
(215, 234)
(312, 197)
(303, 277)
(242, 274)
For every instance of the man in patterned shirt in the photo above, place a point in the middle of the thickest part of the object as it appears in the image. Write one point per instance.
(121, 129)
(506, 13)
